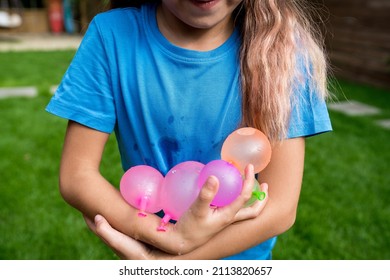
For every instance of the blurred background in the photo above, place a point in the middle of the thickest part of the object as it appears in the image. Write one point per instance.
(42, 16)
(344, 212)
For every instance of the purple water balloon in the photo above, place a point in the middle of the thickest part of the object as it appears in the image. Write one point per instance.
(230, 181)
(140, 187)
(179, 190)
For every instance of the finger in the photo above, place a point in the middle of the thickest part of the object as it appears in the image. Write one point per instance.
(90, 223)
(106, 232)
(246, 191)
(201, 206)
(249, 182)
(124, 246)
(110, 236)
(255, 209)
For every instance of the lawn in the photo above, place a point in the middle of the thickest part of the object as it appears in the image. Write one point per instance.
(343, 213)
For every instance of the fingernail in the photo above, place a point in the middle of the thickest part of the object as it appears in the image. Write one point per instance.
(98, 218)
(211, 181)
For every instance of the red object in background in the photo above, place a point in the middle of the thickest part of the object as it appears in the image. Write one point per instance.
(56, 18)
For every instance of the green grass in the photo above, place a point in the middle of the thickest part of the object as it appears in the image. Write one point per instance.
(35, 222)
(344, 208)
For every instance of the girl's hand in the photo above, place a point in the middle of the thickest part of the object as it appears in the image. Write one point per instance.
(201, 222)
(125, 247)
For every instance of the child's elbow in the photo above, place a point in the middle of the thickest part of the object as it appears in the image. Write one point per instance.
(66, 188)
(287, 220)
(290, 219)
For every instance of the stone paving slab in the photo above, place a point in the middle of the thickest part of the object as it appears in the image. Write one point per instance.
(6, 92)
(384, 123)
(354, 108)
(41, 42)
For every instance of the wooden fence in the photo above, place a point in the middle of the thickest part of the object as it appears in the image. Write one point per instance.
(358, 39)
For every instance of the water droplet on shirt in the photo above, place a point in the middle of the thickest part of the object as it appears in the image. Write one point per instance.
(169, 146)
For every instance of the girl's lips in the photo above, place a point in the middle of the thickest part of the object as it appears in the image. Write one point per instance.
(205, 4)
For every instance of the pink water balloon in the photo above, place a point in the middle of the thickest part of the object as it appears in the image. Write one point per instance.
(179, 190)
(245, 146)
(230, 181)
(140, 186)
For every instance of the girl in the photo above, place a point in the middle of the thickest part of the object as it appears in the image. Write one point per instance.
(173, 78)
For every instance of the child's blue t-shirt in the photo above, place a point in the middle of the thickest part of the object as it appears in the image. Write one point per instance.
(166, 104)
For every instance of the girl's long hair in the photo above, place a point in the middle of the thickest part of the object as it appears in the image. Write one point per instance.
(280, 52)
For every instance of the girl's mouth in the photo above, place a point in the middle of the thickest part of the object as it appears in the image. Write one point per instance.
(205, 4)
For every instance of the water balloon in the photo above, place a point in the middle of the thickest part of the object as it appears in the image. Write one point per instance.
(230, 181)
(245, 146)
(179, 190)
(140, 187)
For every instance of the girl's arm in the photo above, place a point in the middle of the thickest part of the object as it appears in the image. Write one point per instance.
(83, 187)
(284, 176)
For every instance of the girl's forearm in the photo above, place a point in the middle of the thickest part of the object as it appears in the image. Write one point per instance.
(92, 194)
(284, 176)
(243, 235)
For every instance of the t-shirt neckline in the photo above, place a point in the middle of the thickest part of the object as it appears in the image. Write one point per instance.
(177, 52)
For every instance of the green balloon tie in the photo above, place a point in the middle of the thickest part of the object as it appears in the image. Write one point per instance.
(259, 195)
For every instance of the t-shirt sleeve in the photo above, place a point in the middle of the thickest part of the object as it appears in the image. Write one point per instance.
(85, 92)
(309, 114)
